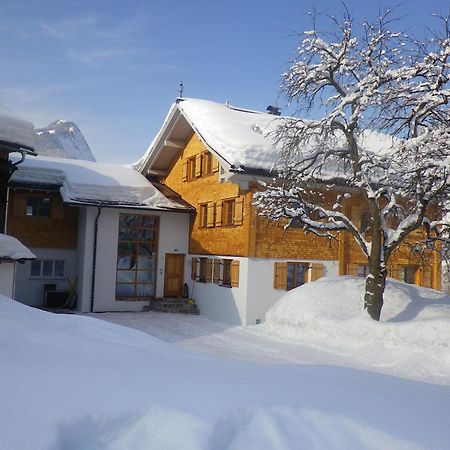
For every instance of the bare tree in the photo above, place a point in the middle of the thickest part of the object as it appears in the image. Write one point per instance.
(383, 137)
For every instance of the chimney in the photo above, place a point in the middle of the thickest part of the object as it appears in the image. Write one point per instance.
(274, 110)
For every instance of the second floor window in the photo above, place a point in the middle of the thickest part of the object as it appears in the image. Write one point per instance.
(39, 206)
(228, 212)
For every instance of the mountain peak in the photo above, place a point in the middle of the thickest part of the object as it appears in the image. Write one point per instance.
(63, 139)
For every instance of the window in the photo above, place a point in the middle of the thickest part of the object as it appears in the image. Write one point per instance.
(408, 274)
(47, 268)
(228, 212)
(136, 257)
(191, 169)
(365, 221)
(226, 272)
(289, 275)
(206, 163)
(296, 275)
(201, 269)
(39, 206)
(203, 215)
(362, 271)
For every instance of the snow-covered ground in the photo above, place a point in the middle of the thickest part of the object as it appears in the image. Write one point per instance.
(75, 382)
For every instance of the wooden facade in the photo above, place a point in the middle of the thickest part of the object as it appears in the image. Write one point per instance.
(227, 224)
(57, 229)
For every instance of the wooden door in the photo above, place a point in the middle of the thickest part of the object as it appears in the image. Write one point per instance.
(174, 275)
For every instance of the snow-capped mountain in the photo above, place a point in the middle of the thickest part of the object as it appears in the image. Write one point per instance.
(63, 139)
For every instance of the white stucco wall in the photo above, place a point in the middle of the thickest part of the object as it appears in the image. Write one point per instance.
(261, 293)
(7, 279)
(224, 304)
(30, 290)
(173, 238)
(248, 303)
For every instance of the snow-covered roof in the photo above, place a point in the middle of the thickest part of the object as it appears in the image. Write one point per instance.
(12, 249)
(87, 182)
(239, 138)
(15, 130)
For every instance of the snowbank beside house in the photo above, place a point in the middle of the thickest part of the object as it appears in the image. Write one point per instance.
(71, 382)
(329, 312)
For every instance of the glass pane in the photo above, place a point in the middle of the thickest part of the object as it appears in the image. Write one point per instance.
(145, 262)
(125, 276)
(144, 276)
(35, 270)
(125, 262)
(148, 221)
(45, 206)
(59, 268)
(145, 234)
(145, 250)
(145, 290)
(47, 270)
(125, 290)
(290, 276)
(300, 274)
(127, 227)
(125, 248)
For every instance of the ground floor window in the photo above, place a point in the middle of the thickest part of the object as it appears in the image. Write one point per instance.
(226, 272)
(289, 275)
(136, 257)
(47, 268)
(408, 274)
(201, 269)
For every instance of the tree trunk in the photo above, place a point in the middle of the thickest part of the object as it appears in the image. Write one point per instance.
(373, 297)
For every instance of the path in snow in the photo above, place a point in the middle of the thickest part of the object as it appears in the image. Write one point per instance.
(199, 334)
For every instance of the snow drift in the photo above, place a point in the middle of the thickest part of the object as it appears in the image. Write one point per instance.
(330, 312)
(71, 382)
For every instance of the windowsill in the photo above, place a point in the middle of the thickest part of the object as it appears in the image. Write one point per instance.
(46, 278)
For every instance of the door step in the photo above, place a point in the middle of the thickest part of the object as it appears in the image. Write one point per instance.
(172, 305)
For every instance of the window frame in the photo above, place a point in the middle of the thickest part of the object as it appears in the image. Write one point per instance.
(38, 209)
(42, 263)
(228, 211)
(203, 222)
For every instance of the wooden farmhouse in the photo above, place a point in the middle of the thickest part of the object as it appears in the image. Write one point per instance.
(238, 264)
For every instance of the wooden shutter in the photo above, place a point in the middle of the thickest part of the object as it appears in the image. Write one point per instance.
(198, 165)
(216, 271)
(316, 271)
(352, 269)
(218, 214)
(19, 205)
(210, 214)
(214, 164)
(208, 270)
(184, 171)
(234, 276)
(239, 211)
(394, 272)
(194, 268)
(427, 279)
(280, 275)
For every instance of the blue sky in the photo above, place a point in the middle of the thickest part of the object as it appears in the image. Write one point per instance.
(113, 67)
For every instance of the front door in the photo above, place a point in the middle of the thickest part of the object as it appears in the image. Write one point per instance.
(174, 275)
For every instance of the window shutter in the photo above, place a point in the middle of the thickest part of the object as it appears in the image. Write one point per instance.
(216, 271)
(210, 215)
(19, 205)
(352, 269)
(280, 275)
(184, 171)
(426, 277)
(234, 273)
(218, 214)
(198, 165)
(316, 271)
(239, 211)
(394, 272)
(208, 274)
(194, 268)
(214, 165)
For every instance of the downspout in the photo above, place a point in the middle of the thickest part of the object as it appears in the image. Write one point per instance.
(94, 256)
